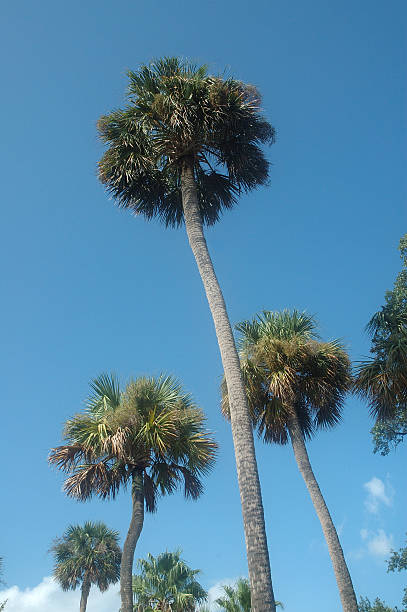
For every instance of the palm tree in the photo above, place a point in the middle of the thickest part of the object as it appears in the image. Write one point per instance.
(86, 555)
(382, 379)
(151, 435)
(183, 150)
(296, 385)
(166, 583)
(237, 598)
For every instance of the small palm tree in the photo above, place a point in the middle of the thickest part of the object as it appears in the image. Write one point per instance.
(237, 598)
(184, 149)
(86, 555)
(151, 435)
(296, 385)
(166, 583)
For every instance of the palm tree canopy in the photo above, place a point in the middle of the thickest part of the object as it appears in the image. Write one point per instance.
(176, 111)
(166, 582)
(90, 551)
(382, 379)
(152, 428)
(237, 598)
(285, 368)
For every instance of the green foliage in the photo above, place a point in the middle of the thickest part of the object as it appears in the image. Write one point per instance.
(88, 552)
(151, 428)
(286, 367)
(388, 434)
(398, 562)
(382, 379)
(377, 606)
(178, 112)
(237, 598)
(166, 583)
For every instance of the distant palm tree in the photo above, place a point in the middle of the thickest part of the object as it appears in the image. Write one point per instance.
(237, 598)
(86, 555)
(150, 435)
(296, 385)
(183, 151)
(166, 583)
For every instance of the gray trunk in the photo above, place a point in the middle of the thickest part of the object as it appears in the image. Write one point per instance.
(84, 594)
(129, 546)
(343, 579)
(248, 478)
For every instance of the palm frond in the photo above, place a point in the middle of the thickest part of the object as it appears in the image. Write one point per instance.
(103, 478)
(177, 110)
(67, 457)
(105, 395)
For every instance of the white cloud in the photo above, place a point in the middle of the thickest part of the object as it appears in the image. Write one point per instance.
(377, 493)
(49, 597)
(378, 543)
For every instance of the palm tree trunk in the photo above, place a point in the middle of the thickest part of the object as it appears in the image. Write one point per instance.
(248, 478)
(343, 579)
(84, 594)
(129, 546)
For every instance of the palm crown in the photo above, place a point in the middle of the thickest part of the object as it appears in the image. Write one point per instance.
(90, 551)
(166, 582)
(176, 111)
(285, 368)
(152, 428)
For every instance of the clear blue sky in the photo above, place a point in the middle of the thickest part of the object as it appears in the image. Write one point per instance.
(88, 288)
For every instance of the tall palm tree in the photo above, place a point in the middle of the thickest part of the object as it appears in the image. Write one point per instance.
(183, 150)
(296, 385)
(151, 435)
(237, 598)
(166, 583)
(86, 555)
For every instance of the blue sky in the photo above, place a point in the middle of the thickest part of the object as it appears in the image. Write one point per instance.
(87, 288)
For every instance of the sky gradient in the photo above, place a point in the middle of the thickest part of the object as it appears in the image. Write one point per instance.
(88, 288)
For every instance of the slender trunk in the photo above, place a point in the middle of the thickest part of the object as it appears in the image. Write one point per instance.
(248, 478)
(129, 546)
(84, 593)
(343, 579)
